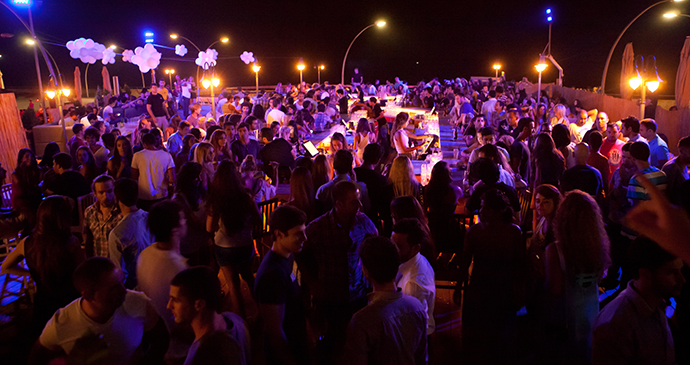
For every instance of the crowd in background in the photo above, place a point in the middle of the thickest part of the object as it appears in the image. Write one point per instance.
(355, 246)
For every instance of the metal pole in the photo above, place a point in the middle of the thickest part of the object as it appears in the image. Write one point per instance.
(643, 100)
(300, 80)
(143, 83)
(38, 68)
(213, 100)
(550, 23)
(342, 73)
(608, 59)
(496, 72)
(319, 73)
(539, 88)
(257, 84)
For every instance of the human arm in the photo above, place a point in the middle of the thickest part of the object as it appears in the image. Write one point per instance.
(135, 174)
(665, 224)
(12, 263)
(155, 339)
(149, 110)
(115, 249)
(356, 345)
(171, 179)
(41, 355)
(273, 316)
(88, 239)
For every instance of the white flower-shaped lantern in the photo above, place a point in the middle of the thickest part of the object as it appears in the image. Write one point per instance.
(247, 57)
(207, 59)
(180, 50)
(86, 50)
(146, 57)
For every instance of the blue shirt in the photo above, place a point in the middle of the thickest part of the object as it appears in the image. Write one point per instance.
(174, 144)
(658, 151)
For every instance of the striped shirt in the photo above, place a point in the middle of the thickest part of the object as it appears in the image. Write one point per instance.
(654, 175)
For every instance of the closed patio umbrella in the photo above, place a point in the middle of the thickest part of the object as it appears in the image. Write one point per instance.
(683, 76)
(627, 71)
(106, 79)
(77, 83)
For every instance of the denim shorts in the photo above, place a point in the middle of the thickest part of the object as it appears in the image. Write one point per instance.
(234, 256)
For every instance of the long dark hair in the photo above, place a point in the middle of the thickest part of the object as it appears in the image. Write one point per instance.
(231, 202)
(189, 185)
(302, 191)
(49, 152)
(27, 175)
(439, 185)
(117, 159)
(50, 237)
(545, 149)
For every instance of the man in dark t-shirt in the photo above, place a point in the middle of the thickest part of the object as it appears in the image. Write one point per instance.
(343, 105)
(380, 200)
(157, 108)
(244, 146)
(277, 290)
(582, 176)
(519, 151)
(278, 150)
(68, 183)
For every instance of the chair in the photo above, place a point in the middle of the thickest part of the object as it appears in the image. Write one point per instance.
(525, 198)
(262, 230)
(14, 287)
(6, 192)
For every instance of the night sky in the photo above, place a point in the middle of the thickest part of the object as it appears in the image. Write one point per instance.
(422, 39)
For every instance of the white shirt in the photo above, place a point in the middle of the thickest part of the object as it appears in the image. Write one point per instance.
(274, 115)
(85, 122)
(155, 270)
(577, 132)
(107, 111)
(122, 333)
(187, 91)
(153, 167)
(416, 278)
(101, 157)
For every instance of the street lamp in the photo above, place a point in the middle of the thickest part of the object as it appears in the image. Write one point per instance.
(496, 68)
(170, 72)
(256, 69)
(541, 66)
(37, 42)
(212, 82)
(223, 40)
(608, 59)
(379, 24)
(647, 79)
(300, 67)
(318, 71)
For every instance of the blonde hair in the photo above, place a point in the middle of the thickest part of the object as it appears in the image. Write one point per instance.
(201, 152)
(402, 177)
(248, 165)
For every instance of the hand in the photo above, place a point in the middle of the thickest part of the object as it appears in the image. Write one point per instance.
(667, 225)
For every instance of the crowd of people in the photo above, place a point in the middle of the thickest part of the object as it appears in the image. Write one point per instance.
(561, 202)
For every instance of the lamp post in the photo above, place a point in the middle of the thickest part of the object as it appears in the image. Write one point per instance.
(647, 79)
(496, 68)
(300, 67)
(45, 58)
(212, 83)
(541, 66)
(170, 72)
(32, 42)
(318, 71)
(222, 40)
(379, 24)
(256, 69)
(608, 59)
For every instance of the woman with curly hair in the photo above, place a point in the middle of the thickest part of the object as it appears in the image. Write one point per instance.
(575, 264)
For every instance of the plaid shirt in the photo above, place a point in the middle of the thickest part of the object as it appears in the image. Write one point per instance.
(99, 227)
(333, 250)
